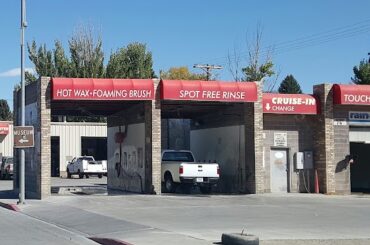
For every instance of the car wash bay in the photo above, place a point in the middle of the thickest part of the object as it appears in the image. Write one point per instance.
(91, 97)
(214, 115)
(352, 119)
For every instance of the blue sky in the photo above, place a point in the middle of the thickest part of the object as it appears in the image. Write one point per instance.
(183, 33)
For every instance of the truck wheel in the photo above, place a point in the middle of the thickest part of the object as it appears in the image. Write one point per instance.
(68, 174)
(80, 175)
(205, 189)
(169, 185)
(100, 176)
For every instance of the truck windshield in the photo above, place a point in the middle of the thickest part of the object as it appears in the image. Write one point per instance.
(178, 157)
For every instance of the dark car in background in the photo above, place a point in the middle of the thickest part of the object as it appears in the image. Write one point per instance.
(6, 168)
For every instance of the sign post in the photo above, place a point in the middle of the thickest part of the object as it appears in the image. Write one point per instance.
(22, 187)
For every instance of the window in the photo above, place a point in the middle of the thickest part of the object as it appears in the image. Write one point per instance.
(178, 156)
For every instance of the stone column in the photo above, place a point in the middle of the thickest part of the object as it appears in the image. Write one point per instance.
(153, 142)
(253, 118)
(44, 128)
(324, 139)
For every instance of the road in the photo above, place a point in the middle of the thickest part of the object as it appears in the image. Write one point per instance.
(201, 219)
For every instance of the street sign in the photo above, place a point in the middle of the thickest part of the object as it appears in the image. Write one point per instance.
(23, 136)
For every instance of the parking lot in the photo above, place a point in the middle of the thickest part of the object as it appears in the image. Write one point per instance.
(201, 219)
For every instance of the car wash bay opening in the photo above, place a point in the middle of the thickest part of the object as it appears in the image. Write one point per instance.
(214, 121)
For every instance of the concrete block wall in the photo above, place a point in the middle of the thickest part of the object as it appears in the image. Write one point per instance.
(342, 148)
(299, 138)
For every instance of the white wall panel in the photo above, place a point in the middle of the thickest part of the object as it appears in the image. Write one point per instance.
(359, 134)
(70, 138)
(6, 142)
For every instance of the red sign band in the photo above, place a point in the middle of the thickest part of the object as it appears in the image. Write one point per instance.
(290, 104)
(209, 91)
(102, 89)
(4, 128)
(351, 94)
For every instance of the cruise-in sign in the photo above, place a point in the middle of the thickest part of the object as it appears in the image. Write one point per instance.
(23, 136)
(290, 104)
(358, 116)
(4, 128)
(102, 89)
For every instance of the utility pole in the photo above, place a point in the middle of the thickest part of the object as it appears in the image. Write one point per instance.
(22, 188)
(207, 68)
(369, 57)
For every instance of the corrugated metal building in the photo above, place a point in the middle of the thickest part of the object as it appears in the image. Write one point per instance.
(6, 140)
(68, 139)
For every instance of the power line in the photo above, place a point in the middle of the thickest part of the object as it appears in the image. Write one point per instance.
(311, 40)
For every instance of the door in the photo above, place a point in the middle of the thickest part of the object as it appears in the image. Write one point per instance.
(279, 170)
(55, 156)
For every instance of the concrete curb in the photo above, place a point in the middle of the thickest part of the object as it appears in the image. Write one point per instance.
(12, 207)
(239, 239)
(108, 241)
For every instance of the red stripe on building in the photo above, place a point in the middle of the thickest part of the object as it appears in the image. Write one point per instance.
(4, 128)
(102, 89)
(290, 104)
(351, 94)
(209, 91)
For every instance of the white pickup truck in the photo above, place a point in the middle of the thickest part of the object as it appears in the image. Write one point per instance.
(180, 168)
(86, 166)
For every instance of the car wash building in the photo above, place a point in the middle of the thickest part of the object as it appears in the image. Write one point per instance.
(262, 142)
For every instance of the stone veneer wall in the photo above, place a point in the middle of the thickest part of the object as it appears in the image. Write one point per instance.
(324, 147)
(153, 141)
(253, 122)
(38, 158)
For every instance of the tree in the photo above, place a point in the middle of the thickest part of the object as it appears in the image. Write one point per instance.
(257, 70)
(87, 55)
(42, 59)
(5, 113)
(181, 73)
(133, 61)
(362, 73)
(290, 86)
(259, 67)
